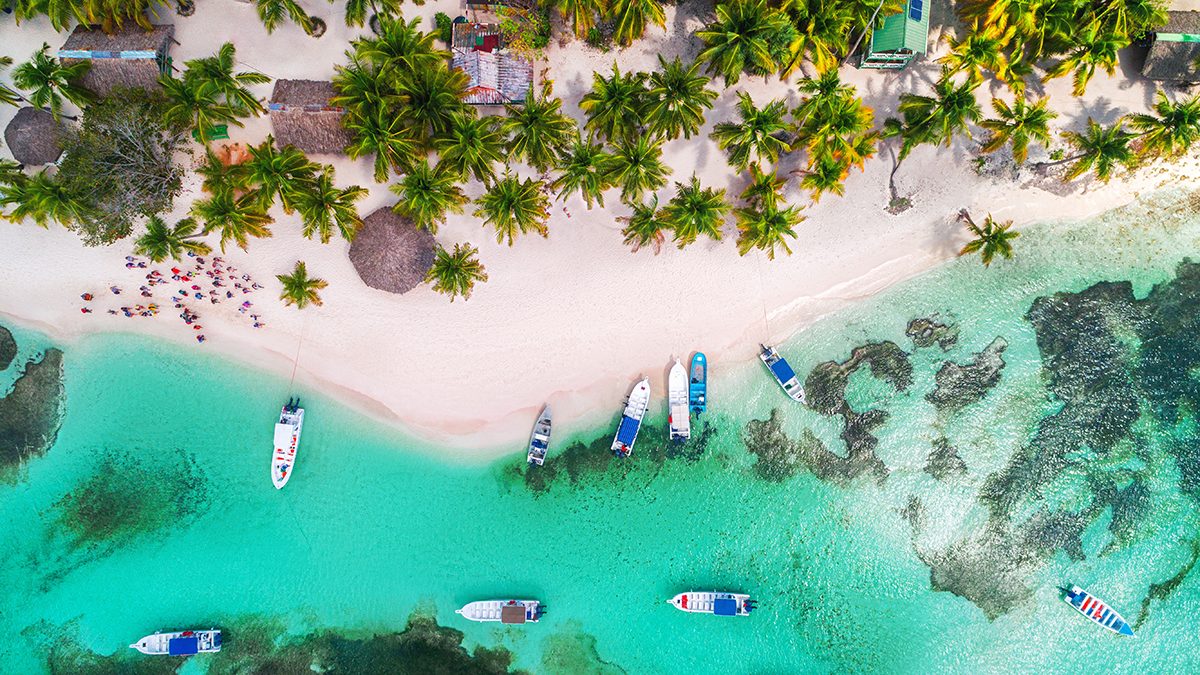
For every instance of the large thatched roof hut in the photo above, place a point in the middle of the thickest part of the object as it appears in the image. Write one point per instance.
(391, 253)
(302, 116)
(34, 137)
(132, 57)
(1172, 56)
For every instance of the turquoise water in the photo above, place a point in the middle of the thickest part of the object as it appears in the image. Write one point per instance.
(152, 510)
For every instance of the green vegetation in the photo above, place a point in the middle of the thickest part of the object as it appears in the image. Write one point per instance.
(300, 289)
(427, 194)
(210, 93)
(472, 147)
(161, 242)
(677, 100)
(108, 14)
(512, 205)
(1018, 124)
(455, 273)
(991, 240)
(645, 227)
(236, 219)
(583, 171)
(538, 131)
(635, 167)
(49, 82)
(694, 211)
(616, 105)
(323, 207)
(757, 133)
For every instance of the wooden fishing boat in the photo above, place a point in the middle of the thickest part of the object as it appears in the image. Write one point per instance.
(1097, 610)
(698, 384)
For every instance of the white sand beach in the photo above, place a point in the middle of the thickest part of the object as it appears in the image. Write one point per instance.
(575, 319)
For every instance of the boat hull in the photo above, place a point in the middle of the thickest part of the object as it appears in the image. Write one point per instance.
(698, 384)
(782, 372)
(503, 611)
(1097, 610)
(539, 440)
(287, 441)
(679, 415)
(719, 603)
(183, 643)
(631, 419)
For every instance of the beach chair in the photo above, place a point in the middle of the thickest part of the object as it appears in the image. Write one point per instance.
(220, 131)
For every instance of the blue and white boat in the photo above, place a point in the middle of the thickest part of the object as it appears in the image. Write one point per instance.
(698, 384)
(782, 372)
(539, 440)
(714, 602)
(184, 643)
(1097, 610)
(631, 420)
(679, 416)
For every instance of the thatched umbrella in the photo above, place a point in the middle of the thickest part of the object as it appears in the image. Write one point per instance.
(302, 116)
(34, 137)
(391, 253)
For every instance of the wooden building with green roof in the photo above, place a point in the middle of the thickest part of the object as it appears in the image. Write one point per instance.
(902, 37)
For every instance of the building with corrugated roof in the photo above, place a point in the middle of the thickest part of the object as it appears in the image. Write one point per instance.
(497, 75)
(902, 37)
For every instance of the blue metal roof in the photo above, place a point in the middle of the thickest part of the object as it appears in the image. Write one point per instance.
(183, 645)
(725, 607)
(628, 430)
(782, 370)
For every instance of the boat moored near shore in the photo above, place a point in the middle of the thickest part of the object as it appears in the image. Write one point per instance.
(504, 611)
(287, 439)
(719, 603)
(1097, 610)
(679, 415)
(631, 418)
(698, 384)
(539, 440)
(782, 372)
(183, 643)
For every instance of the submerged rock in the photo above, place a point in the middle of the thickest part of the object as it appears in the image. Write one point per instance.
(960, 386)
(825, 386)
(944, 462)
(30, 415)
(780, 457)
(8, 348)
(573, 652)
(927, 332)
(989, 570)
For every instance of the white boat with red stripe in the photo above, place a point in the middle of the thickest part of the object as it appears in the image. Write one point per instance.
(1097, 610)
(719, 603)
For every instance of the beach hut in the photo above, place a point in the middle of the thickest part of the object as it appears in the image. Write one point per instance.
(902, 37)
(1172, 56)
(132, 57)
(34, 137)
(391, 253)
(302, 116)
(497, 75)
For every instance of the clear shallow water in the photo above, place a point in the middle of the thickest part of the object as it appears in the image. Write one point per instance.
(153, 509)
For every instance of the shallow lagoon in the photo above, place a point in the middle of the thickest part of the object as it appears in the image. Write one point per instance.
(153, 509)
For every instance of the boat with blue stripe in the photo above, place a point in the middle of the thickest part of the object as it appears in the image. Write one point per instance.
(782, 372)
(1097, 610)
(719, 603)
(183, 643)
(698, 384)
(631, 419)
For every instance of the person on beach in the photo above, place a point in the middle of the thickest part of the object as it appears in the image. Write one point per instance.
(257, 325)
(112, 311)
(199, 338)
(115, 290)
(85, 310)
(87, 297)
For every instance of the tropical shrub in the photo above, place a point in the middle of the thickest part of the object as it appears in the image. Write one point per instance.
(455, 273)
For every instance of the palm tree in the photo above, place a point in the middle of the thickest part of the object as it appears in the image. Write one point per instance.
(538, 131)
(935, 119)
(218, 177)
(636, 166)
(694, 211)
(765, 188)
(237, 219)
(582, 13)
(43, 199)
(991, 240)
(455, 273)
(365, 90)
(279, 173)
(300, 289)
(677, 100)
(49, 82)
(1100, 149)
(583, 171)
(822, 93)
(427, 194)
(823, 33)
(195, 103)
(161, 242)
(980, 49)
(616, 106)
(1173, 130)
(644, 227)
(631, 16)
(842, 129)
(748, 36)
(756, 133)
(10, 172)
(388, 138)
(513, 206)
(401, 46)
(322, 206)
(472, 146)
(356, 10)
(433, 97)
(1019, 124)
(218, 70)
(766, 229)
(8, 95)
(826, 174)
(1095, 47)
(273, 12)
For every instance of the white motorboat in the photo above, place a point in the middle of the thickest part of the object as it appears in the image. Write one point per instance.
(183, 643)
(539, 441)
(782, 373)
(287, 438)
(504, 611)
(631, 419)
(714, 602)
(679, 417)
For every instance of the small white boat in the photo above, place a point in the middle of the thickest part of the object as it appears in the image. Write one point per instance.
(714, 602)
(782, 373)
(1095, 609)
(539, 441)
(183, 643)
(631, 419)
(504, 611)
(679, 416)
(287, 437)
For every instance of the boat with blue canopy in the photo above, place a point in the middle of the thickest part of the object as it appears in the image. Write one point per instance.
(719, 603)
(1097, 610)
(782, 372)
(539, 440)
(183, 643)
(698, 384)
(631, 419)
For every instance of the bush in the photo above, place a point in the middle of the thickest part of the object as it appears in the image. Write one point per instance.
(444, 27)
